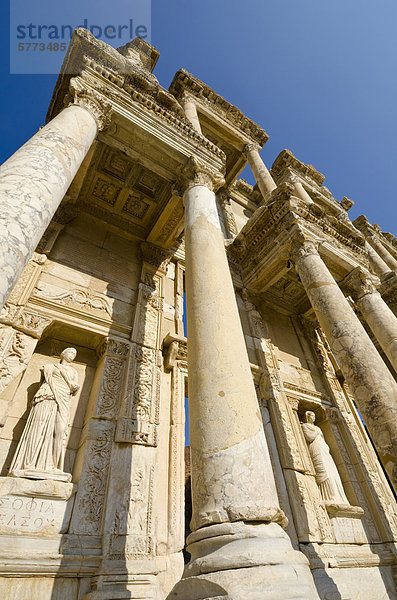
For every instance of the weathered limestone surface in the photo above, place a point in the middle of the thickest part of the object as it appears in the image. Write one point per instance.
(375, 311)
(264, 180)
(108, 278)
(383, 253)
(33, 182)
(190, 109)
(378, 264)
(236, 515)
(359, 361)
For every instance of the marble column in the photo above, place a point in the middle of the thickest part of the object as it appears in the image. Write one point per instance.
(383, 252)
(371, 382)
(238, 547)
(263, 178)
(383, 323)
(34, 180)
(190, 110)
(377, 263)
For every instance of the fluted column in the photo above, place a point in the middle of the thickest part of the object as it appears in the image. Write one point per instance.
(383, 323)
(377, 263)
(383, 252)
(34, 180)
(374, 387)
(190, 110)
(263, 178)
(238, 547)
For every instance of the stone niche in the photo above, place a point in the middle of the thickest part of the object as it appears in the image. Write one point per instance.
(43, 506)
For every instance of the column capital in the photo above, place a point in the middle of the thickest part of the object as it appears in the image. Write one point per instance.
(302, 244)
(81, 95)
(359, 282)
(195, 173)
(251, 148)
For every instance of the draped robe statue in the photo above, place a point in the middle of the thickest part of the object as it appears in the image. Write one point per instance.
(41, 450)
(327, 476)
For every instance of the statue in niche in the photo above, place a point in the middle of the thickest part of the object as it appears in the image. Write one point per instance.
(40, 452)
(327, 476)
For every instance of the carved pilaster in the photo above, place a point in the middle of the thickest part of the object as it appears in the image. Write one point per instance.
(139, 416)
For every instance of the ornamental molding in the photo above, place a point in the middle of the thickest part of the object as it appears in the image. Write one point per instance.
(185, 83)
(287, 160)
(156, 256)
(83, 299)
(248, 191)
(123, 79)
(273, 222)
(25, 319)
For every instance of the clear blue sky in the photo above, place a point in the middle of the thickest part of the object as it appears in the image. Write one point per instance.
(319, 76)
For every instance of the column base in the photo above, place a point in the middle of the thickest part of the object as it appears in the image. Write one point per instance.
(240, 561)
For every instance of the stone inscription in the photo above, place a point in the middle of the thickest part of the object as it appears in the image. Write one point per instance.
(33, 515)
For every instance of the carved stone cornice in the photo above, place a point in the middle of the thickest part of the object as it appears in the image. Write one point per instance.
(364, 226)
(285, 210)
(195, 173)
(287, 160)
(25, 319)
(184, 82)
(241, 186)
(121, 77)
(346, 203)
(156, 256)
(81, 95)
(359, 283)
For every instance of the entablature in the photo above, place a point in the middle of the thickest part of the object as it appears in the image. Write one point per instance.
(220, 121)
(287, 169)
(263, 247)
(144, 139)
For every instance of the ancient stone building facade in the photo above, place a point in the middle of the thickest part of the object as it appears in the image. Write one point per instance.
(128, 198)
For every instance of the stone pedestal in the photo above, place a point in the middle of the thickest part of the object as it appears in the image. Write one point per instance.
(371, 382)
(375, 311)
(238, 547)
(33, 182)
